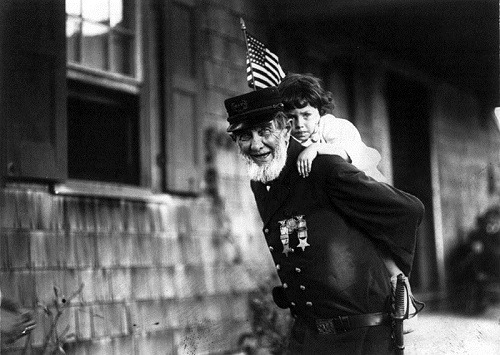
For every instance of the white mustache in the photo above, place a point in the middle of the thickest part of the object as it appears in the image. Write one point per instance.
(270, 171)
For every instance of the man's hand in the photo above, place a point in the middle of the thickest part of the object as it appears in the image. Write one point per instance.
(305, 159)
(412, 306)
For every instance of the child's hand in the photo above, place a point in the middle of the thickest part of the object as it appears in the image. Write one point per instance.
(305, 159)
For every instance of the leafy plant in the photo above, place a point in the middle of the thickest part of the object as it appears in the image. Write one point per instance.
(271, 326)
(55, 340)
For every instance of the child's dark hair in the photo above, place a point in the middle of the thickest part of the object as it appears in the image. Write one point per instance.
(300, 90)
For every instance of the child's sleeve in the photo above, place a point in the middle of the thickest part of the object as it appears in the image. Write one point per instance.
(343, 132)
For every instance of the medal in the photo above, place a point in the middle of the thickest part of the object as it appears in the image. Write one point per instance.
(283, 228)
(288, 226)
(291, 224)
(302, 233)
(284, 231)
(301, 222)
(285, 242)
(302, 239)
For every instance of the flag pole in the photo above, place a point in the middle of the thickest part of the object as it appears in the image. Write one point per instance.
(244, 29)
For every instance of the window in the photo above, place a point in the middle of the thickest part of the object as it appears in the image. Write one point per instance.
(103, 134)
(129, 124)
(103, 91)
(101, 35)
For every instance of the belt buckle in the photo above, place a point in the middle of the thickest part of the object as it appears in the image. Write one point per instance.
(325, 326)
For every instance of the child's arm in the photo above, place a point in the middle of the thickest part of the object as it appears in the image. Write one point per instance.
(306, 157)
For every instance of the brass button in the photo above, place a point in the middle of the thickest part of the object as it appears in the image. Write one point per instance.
(302, 287)
(266, 230)
(298, 269)
(309, 304)
(292, 304)
(271, 248)
(278, 266)
(285, 285)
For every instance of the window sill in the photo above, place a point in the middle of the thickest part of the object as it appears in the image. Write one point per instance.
(114, 190)
(103, 78)
(101, 189)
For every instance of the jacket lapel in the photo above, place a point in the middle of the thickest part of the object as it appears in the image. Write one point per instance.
(275, 198)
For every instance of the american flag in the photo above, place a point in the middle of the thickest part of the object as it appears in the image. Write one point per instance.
(263, 67)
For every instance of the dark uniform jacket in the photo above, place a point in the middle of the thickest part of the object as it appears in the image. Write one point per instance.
(344, 217)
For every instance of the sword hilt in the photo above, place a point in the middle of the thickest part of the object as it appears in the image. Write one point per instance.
(399, 314)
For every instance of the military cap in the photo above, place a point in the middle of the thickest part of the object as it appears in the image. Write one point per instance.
(248, 110)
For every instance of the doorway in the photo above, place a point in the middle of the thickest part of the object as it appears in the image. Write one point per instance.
(409, 120)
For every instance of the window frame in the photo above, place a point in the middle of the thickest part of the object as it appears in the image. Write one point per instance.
(114, 80)
(127, 85)
(155, 84)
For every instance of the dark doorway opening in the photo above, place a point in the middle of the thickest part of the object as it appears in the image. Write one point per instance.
(409, 117)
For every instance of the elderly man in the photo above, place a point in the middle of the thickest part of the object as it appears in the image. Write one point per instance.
(325, 233)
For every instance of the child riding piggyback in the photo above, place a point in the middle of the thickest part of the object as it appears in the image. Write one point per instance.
(309, 105)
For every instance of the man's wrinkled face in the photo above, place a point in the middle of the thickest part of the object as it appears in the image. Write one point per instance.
(264, 149)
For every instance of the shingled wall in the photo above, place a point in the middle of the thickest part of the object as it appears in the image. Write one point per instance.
(172, 275)
(155, 275)
(159, 275)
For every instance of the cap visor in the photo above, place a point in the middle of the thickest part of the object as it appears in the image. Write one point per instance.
(252, 121)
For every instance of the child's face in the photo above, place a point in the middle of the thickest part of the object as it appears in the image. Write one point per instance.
(305, 122)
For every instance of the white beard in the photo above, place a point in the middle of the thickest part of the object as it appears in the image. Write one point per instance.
(270, 171)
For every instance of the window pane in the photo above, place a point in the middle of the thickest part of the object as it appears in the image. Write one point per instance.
(101, 34)
(122, 13)
(73, 33)
(122, 54)
(183, 40)
(95, 10)
(102, 135)
(94, 45)
(73, 7)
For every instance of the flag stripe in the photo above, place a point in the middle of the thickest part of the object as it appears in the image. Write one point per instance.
(276, 64)
(260, 80)
(263, 75)
(263, 67)
(266, 71)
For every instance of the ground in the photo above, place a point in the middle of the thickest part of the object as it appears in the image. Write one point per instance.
(448, 333)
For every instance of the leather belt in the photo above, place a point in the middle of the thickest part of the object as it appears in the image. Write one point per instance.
(342, 324)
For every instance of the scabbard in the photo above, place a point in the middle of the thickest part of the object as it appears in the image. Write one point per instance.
(398, 337)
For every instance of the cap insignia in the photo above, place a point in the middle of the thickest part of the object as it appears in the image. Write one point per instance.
(239, 106)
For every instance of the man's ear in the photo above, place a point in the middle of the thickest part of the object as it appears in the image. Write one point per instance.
(288, 128)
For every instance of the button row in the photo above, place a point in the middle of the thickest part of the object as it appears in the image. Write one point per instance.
(308, 304)
(297, 269)
(302, 287)
(272, 249)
